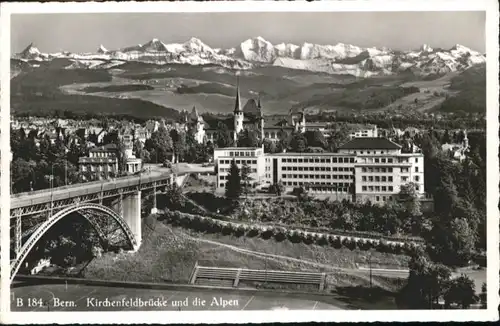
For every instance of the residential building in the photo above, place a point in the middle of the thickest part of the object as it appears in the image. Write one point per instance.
(252, 156)
(364, 169)
(381, 169)
(102, 161)
(364, 131)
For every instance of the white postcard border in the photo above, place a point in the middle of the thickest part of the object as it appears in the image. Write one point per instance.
(491, 6)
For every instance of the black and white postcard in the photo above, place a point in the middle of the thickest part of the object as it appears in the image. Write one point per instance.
(251, 161)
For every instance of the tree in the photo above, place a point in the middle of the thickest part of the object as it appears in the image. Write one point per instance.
(298, 143)
(338, 136)
(245, 178)
(408, 194)
(483, 296)
(461, 291)
(277, 188)
(178, 143)
(315, 138)
(284, 140)
(301, 193)
(233, 184)
(452, 242)
(160, 145)
(22, 175)
(175, 198)
(427, 282)
(269, 146)
(249, 138)
(122, 159)
(223, 136)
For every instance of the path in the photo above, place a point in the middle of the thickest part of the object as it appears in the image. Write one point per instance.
(357, 272)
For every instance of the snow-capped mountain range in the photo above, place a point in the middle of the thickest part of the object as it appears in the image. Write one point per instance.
(333, 59)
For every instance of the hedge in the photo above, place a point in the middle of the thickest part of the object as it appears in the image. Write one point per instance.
(211, 225)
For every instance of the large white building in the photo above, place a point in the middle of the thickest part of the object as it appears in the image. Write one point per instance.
(253, 157)
(363, 169)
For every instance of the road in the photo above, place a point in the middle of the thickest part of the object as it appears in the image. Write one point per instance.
(46, 195)
(72, 297)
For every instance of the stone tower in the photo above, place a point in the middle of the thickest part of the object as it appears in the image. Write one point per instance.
(238, 112)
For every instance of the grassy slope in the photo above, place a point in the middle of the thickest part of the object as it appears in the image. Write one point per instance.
(169, 254)
(471, 85)
(38, 91)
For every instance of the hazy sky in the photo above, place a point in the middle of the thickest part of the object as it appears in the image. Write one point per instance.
(397, 30)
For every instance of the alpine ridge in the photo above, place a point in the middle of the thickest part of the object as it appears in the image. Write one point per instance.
(254, 52)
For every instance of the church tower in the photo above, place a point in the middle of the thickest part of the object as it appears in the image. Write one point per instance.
(465, 142)
(261, 120)
(238, 112)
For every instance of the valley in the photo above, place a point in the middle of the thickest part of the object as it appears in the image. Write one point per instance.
(354, 81)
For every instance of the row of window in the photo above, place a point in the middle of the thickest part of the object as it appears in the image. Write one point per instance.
(383, 170)
(376, 178)
(317, 176)
(238, 161)
(101, 167)
(384, 198)
(406, 178)
(315, 168)
(377, 188)
(102, 154)
(326, 190)
(319, 160)
(339, 187)
(242, 154)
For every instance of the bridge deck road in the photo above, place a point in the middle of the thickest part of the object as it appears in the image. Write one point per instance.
(65, 192)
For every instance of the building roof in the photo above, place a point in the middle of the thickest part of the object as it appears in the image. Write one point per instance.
(105, 148)
(238, 148)
(370, 143)
(310, 154)
(237, 104)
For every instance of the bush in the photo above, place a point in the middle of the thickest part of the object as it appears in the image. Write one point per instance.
(253, 232)
(336, 242)
(308, 238)
(239, 230)
(349, 243)
(294, 236)
(267, 234)
(322, 240)
(227, 229)
(280, 235)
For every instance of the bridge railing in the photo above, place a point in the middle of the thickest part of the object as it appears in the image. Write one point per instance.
(147, 178)
(257, 275)
(83, 189)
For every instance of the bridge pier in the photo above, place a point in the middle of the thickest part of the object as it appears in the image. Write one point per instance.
(154, 209)
(132, 215)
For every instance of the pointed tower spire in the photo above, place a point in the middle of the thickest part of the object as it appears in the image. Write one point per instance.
(258, 103)
(237, 104)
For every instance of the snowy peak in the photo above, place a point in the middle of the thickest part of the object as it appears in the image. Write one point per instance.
(340, 58)
(256, 49)
(196, 45)
(155, 45)
(102, 49)
(30, 52)
(425, 48)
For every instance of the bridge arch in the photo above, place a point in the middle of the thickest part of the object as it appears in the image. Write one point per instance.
(45, 226)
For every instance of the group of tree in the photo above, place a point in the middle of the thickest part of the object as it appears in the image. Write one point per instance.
(438, 120)
(43, 165)
(239, 181)
(429, 284)
(458, 225)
